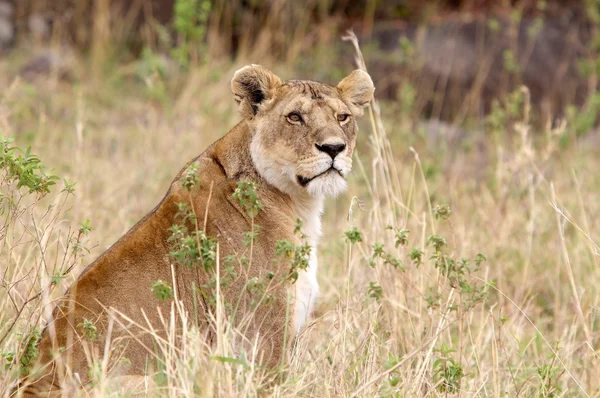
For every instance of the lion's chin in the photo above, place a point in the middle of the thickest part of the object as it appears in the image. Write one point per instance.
(330, 185)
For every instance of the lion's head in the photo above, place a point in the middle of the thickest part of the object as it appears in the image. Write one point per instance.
(303, 132)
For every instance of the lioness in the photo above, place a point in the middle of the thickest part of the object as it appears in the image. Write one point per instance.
(295, 143)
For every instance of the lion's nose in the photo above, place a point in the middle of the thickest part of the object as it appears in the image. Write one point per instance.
(331, 149)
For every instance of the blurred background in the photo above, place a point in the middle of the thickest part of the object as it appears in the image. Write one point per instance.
(457, 55)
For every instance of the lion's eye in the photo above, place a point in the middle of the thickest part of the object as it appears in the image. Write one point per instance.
(294, 117)
(342, 117)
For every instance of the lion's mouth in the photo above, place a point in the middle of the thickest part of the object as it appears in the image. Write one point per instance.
(304, 181)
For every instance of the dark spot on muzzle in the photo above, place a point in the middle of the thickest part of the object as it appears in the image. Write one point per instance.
(303, 180)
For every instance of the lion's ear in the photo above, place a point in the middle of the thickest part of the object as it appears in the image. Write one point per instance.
(357, 90)
(251, 86)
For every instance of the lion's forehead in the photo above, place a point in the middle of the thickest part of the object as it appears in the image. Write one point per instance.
(315, 90)
(307, 96)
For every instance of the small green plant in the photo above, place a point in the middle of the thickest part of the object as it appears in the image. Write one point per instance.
(353, 235)
(442, 212)
(549, 375)
(297, 256)
(416, 257)
(162, 290)
(185, 247)
(379, 252)
(9, 357)
(375, 291)
(394, 376)
(24, 169)
(447, 371)
(208, 250)
(437, 242)
(298, 229)
(191, 249)
(89, 329)
(76, 242)
(85, 228)
(95, 372)
(457, 272)
(29, 351)
(69, 186)
(257, 288)
(433, 300)
(400, 236)
(58, 276)
(246, 195)
(226, 277)
(251, 236)
(190, 178)
(24, 182)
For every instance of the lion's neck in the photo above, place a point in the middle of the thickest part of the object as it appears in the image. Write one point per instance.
(232, 152)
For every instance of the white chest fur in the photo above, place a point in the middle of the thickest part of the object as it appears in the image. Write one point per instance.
(307, 287)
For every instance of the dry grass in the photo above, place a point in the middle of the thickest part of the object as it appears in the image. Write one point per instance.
(529, 204)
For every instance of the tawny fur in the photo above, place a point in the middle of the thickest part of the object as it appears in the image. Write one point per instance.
(277, 152)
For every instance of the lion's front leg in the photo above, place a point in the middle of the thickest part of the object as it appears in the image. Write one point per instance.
(306, 292)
